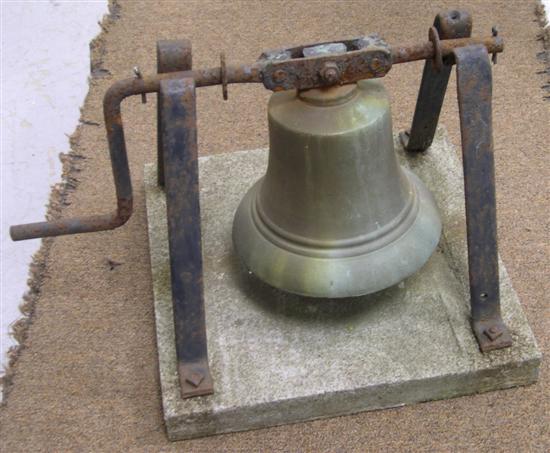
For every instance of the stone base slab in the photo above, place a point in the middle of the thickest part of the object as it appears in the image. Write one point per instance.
(278, 358)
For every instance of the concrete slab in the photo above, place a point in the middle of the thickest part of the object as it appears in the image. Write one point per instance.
(277, 358)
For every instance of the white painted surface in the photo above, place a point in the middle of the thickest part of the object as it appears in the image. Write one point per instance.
(44, 68)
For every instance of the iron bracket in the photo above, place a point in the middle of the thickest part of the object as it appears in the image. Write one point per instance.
(181, 177)
(177, 172)
(447, 25)
(474, 82)
(474, 89)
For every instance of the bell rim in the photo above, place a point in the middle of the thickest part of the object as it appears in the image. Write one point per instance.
(345, 276)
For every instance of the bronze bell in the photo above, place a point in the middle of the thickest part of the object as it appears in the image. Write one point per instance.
(335, 214)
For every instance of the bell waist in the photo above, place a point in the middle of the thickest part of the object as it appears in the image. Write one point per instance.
(356, 245)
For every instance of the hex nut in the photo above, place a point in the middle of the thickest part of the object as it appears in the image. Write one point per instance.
(279, 75)
(330, 73)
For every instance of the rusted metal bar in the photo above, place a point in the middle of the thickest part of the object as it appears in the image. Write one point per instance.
(179, 135)
(204, 77)
(449, 24)
(425, 51)
(474, 101)
(374, 60)
(172, 56)
(119, 160)
(366, 57)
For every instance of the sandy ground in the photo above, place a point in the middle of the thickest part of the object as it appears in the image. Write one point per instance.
(87, 378)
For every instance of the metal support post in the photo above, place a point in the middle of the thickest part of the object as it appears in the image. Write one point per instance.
(178, 128)
(448, 25)
(474, 81)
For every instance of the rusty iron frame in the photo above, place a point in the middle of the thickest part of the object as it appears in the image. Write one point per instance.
(178, 173)
(181, 178)
(283, 69)
(448, 25)
(474, 89)
(172, 56)
(207, 77)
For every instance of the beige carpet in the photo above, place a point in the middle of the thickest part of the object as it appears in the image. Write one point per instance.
(88, 378)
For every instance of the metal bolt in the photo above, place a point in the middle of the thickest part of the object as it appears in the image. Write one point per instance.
(279, 75)
(194, 378)
(493, 332)
(330, 73)
(137, 75)
(375, 63)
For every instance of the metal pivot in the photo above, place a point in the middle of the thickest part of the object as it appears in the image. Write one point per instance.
(180, 151)
(474, 81)
(172, 56)
(447, 25)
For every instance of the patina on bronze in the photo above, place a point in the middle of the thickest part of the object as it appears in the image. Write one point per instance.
(335, 215)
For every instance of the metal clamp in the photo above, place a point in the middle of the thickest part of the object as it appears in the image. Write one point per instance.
(289, 68)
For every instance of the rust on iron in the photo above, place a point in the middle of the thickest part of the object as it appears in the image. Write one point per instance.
(474, 88)
(303, 67)
(435, 77)
(138, 75)
(330, 73)
(365, 57)
(194, 379)
(425, 51)
(453, 24)
(181, 173)
(369, 57)
(172, 56)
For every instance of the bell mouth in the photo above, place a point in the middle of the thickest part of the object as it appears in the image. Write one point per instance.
(297, 268)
